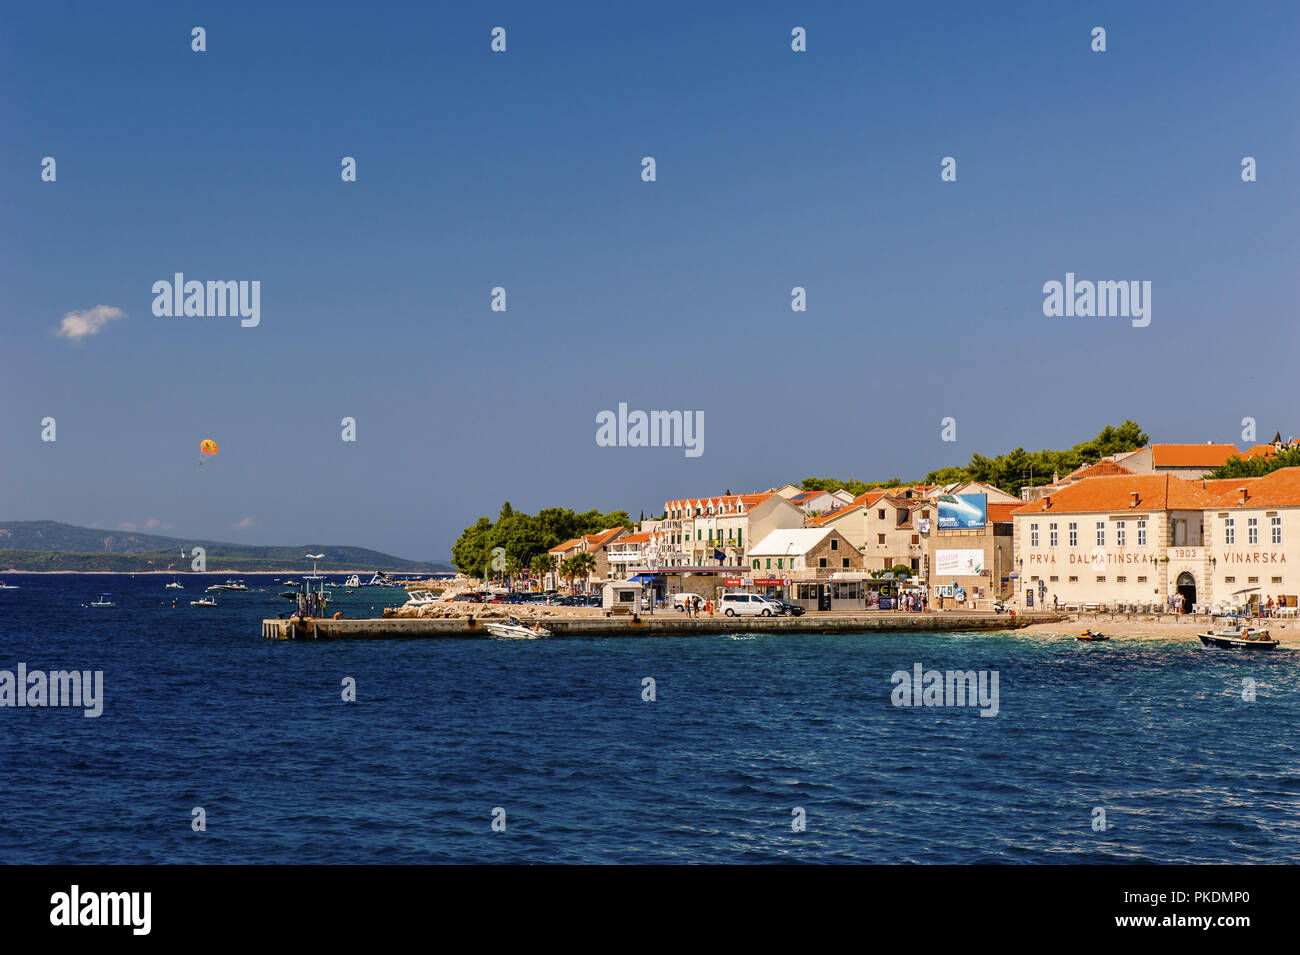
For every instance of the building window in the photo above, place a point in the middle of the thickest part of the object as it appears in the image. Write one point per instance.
(1052, 536)
(1120, 534)
(1033, 535)
(1053, 580)
(1229, 580)
(1142, 532)
(1252, 580)
(916, 538)
(880, 513)
(845, 563)
(1074, 580)
(1101, 533)
(769, 563)
(1275, 580)
(1034, 577)
(1074, 534)
(1229, 532)
(880, 538)
(1142, 580)
(1101, 580)
(1276, 523)
(1252, 530)
(821, 561)
(756, 563)
(780, 563)
(835, 543)
(1121, 580)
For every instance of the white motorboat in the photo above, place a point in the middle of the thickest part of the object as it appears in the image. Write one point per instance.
(203, 602)
(105, 600)
(514, 630)
(175, 585)
(421, 598)
(4, 586)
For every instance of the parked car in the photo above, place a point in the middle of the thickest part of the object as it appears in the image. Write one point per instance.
(794, 610)
(740, 605)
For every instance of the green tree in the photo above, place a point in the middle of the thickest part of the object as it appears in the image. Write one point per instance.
(1237, 467)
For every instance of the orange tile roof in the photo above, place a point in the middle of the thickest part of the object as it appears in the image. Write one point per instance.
(1000, 511)
(634, 538)
(870, 497)
(567, 545)
(726, 500)
(1158, 492)
(836, 514)
(1100, 469)
(595, 540)
(1261, 451)
(1192, 455)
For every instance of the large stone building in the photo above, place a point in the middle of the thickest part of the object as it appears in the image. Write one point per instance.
(805, 553)
(1144, 538)
(696, 530)
(978, 562)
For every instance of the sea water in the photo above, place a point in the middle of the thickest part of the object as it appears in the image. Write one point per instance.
(776, 748)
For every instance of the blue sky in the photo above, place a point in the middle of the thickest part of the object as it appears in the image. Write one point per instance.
(522, 170)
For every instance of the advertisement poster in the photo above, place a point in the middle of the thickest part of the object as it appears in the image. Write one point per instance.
(963, 511)
(959, 563)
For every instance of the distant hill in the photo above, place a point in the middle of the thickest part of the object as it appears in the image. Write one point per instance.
(50, 545)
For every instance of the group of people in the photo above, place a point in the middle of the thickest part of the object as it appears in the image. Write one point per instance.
(699, 604)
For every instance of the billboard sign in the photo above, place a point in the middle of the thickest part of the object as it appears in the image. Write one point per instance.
(960, 563)
(963, 511)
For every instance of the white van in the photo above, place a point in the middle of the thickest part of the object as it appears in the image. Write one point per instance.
(739, 605)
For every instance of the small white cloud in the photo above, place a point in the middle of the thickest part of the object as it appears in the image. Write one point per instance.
(127, 526)
(154, 524)
(77, 325)
(244, 524)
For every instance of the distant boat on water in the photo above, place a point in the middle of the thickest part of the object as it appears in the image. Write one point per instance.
(4, 586)
(175, 585)
(105, 600)
(203, 602)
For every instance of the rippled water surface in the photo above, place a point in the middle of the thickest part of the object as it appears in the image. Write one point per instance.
(201, 711)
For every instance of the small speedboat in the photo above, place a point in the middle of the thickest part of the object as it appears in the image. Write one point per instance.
(1247, 638)
(1090, 635)
(4, 586)
(105, 600)
(203, 602)
(514, 630)
(175, 585)
(421, 598)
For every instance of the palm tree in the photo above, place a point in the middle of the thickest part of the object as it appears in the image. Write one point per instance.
(583, 565)
(568, 570)
(543, 564)
(514, 566)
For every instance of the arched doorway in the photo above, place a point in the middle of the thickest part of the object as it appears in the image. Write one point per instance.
(1187, 587)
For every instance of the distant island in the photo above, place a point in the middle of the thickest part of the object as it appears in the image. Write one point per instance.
(51, 547)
